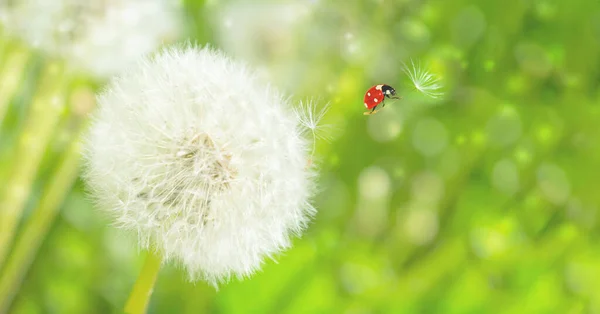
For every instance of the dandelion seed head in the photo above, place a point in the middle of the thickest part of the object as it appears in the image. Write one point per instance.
(204, 163)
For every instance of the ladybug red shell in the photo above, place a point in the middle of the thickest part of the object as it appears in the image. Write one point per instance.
(376, 95)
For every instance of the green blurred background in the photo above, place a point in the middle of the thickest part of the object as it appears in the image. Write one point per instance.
(483, 201)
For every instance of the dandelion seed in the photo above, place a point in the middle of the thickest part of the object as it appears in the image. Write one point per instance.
(205, 164)
(423, 80)
(309, 118)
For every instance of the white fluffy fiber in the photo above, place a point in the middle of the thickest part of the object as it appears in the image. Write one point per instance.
(96, 36)
(424, 81)
(204, 163)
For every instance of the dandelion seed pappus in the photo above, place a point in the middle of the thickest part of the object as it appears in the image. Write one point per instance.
(376, 95)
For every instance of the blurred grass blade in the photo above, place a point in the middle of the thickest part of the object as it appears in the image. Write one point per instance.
(43, 117)
(37, 226)
(60, 184)
(12, 69)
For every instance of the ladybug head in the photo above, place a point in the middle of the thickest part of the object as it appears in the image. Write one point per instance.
(389, 92)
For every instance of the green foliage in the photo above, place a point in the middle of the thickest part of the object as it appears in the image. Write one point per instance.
(484, 201)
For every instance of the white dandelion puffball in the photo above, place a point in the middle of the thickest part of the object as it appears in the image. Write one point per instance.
(98, 36)
(205, 164)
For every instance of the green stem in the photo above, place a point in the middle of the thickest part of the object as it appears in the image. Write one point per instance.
(11, 73)
(43, 118)
(3, 44)
(142, 290)
(37, 226)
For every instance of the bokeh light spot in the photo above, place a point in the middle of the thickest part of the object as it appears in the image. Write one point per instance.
(450, 162)
(505, 177)
(373, 183)
(553, 183)
(421, 225)
(468, 26)
(385, 127)
(523, 155)
(478, 138)
(427, 187)
(504, 128)
(492, 242)
(544, 134)
(430, 137)
(489, 65)
(583, 215)
(533, 59)
(357, 278)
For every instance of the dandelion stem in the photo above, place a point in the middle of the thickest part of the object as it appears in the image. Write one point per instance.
(37, 226)
(43, 117)
(142, 290)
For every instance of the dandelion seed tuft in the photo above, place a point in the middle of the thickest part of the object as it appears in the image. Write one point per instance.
(310, 122)
(424, 81)
(207, 165)
(310, 118)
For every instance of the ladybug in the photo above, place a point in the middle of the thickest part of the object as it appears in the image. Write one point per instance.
(376, 95)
